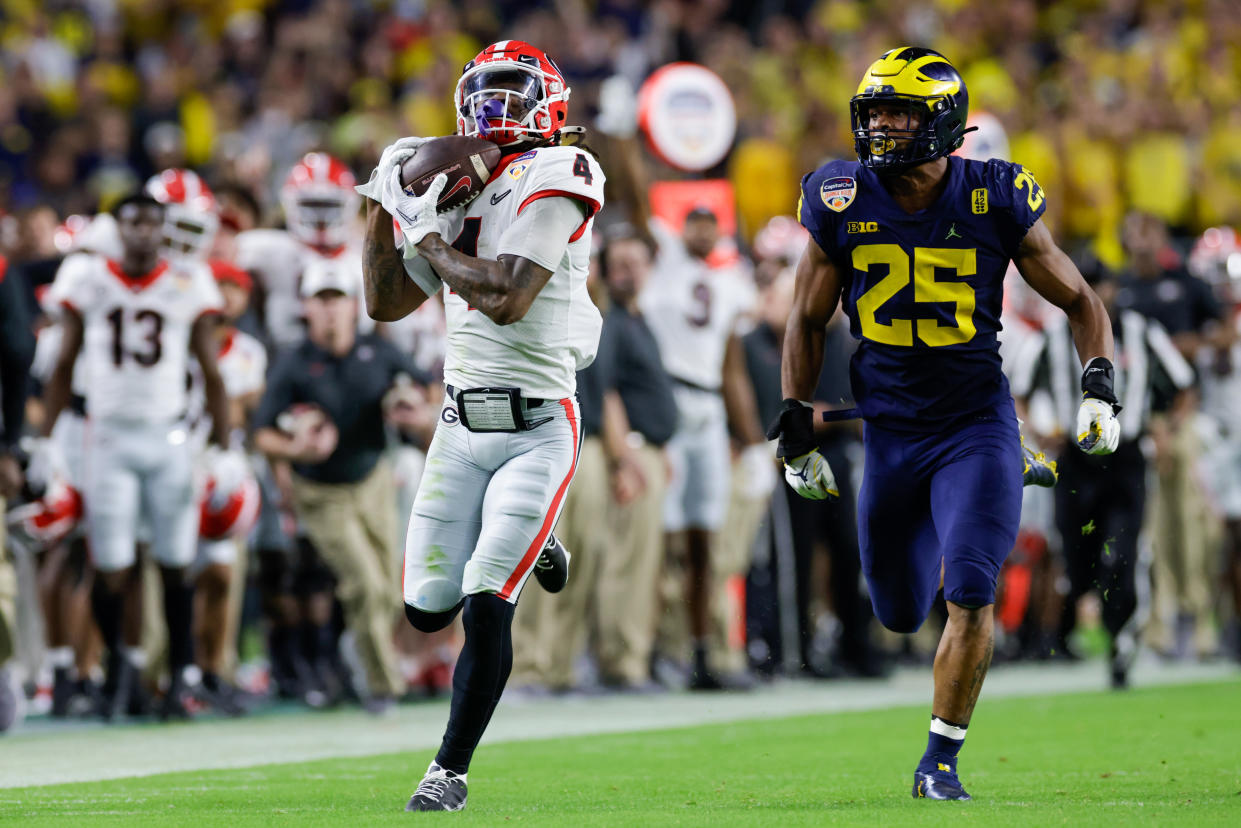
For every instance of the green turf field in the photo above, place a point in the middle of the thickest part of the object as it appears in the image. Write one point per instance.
(1154, 756)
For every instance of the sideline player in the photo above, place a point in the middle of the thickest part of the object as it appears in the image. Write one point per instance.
(520, 324)
(695, 311)
(137, 321)
(914, 243)
(319, 205)
(230, 503)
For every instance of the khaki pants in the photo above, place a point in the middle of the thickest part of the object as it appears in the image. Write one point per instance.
(1184, 536)
(730, 562)
(731, 552)
(627, 594)
(8, 595)
(549, 631)
(352, 526)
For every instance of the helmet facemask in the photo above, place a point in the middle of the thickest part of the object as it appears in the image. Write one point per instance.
(508, 101)
(318, 216)
(188, 233)
(919, 131)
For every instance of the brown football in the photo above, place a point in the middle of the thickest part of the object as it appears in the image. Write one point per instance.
(467, 162)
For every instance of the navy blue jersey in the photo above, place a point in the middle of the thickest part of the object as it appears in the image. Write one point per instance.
(923, 291)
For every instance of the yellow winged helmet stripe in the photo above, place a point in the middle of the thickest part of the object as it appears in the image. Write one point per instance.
(904, 77)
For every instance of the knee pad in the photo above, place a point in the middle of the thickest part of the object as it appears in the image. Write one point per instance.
(429, 622)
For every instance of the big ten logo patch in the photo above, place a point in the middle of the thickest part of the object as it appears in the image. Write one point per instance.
(978, 201)
(863, 226)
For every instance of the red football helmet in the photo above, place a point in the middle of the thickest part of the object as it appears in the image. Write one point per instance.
(191, 217)
(511, 92)
(1216, 259)
(232, 515)
(318, 200)
(782, 238)
(49, 519)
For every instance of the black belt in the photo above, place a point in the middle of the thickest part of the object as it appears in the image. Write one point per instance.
(693, 385)
(528, 402)
(77, 404)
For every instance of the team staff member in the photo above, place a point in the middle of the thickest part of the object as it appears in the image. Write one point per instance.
(343, 492)
(1100, 501)
(640, 416)
(16, 351)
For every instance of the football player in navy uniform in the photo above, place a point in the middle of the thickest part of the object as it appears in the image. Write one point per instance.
(914, 244)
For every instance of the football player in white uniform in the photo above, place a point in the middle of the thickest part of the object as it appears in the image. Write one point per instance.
(695, 311)
(319, 203)
(520, 324)
(191, 217)
(136, 321)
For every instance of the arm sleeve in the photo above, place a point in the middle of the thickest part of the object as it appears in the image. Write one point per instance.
(16, 352)
(543, 230)
(420, 271)
(279, 394)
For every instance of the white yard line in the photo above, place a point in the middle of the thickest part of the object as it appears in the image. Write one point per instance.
(42, 754)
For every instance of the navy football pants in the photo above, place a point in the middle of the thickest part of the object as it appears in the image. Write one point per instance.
(950, 498)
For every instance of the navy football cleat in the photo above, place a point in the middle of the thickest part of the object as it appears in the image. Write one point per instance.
(551, 568)
(941, 783)
(1038, 470)
(439, 790)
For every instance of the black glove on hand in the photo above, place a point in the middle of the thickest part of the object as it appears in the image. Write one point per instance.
(795, 428)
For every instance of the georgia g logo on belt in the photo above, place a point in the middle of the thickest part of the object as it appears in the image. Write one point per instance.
(838, 193)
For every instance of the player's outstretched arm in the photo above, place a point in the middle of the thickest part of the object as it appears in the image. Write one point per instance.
(59, 386)
(1050, 271)
(389, 292)
(1053, 274)
(816, 293)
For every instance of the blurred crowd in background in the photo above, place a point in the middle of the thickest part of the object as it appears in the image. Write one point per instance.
(1125, 111)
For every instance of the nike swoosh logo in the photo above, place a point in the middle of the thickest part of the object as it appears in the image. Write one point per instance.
(496, 199)
(462, 183)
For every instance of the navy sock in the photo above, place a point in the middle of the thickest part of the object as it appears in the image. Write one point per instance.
(478, 679)
(942, 746)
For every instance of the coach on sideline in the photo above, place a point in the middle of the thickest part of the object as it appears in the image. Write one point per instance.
(640, 416)
(343, 491)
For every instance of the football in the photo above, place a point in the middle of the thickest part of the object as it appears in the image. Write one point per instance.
(310, 423)
(467, 162)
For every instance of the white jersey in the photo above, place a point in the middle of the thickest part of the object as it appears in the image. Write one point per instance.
(47, 354)
(242, 361)
(277, 261)
(692, 309)
(136, 341)
(559, 335)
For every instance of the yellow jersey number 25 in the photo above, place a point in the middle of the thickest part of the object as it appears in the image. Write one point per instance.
(926, 261)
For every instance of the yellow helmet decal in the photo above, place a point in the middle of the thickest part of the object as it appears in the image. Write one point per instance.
(904, 76)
